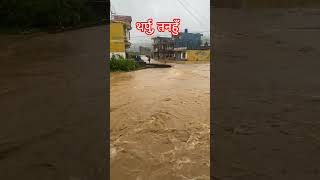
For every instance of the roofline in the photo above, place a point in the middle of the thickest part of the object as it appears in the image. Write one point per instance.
(125, 23)
(161, 37)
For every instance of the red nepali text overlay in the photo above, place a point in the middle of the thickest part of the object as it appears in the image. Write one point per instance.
(146, 27)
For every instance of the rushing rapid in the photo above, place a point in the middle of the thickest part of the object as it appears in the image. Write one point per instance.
(160, 123)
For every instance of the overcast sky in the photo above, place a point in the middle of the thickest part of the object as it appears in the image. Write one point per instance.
(194, 15)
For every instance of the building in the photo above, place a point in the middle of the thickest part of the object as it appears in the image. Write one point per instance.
(189, 40)
(184, 54)
(144, 51)
(186, 46)
(163, 48)
(120, 27)
(180, 53)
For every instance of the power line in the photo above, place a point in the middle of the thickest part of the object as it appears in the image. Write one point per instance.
(198, 20)
(196, 12)
(112, 9)
(188, 11)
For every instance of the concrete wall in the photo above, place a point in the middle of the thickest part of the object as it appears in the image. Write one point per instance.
(123, 54)
(198, 55)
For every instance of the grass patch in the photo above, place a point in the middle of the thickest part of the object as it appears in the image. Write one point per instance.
(122, 64)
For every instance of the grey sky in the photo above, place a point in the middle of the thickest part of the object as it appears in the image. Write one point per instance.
(165, 10)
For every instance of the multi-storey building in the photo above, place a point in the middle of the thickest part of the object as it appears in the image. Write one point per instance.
(120, 27)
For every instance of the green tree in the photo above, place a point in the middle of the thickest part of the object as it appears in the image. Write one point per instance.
(45, 13)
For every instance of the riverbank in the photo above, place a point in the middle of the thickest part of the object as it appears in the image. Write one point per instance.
(181, 62)
(131, 65)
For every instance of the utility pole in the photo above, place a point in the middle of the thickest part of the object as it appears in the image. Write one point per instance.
(113, 11)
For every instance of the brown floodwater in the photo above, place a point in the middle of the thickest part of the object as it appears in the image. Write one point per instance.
(160, 123)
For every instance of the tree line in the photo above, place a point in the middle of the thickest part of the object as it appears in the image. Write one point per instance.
(47, 13)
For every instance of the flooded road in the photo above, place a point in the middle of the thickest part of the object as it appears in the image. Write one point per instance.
(159, 125)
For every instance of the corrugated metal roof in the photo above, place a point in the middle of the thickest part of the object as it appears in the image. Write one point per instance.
(127, 19)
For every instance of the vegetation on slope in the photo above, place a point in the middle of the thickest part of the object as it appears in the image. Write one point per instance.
(122, 64)
(29, 14)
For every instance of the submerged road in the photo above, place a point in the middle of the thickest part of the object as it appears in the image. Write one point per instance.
(159, 125)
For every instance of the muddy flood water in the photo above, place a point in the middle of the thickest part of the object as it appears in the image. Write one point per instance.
(160, 123)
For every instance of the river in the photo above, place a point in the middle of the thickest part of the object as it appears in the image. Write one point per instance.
(160, 123)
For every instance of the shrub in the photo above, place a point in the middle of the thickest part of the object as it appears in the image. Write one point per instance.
(122, 64)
